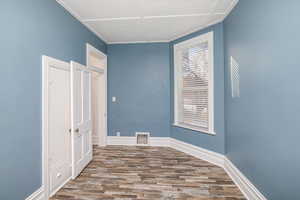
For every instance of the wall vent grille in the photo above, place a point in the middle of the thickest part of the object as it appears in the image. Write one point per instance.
(235, 78)
(142, 138)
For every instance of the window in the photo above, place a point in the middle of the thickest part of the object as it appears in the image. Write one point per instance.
(193, 60)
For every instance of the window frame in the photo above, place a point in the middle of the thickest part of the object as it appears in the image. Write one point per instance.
(209, 37)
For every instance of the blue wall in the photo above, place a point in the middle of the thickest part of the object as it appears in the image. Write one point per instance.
(262, 136)
(261, 126)
(138, 76)
(30, 29)
(214, 143)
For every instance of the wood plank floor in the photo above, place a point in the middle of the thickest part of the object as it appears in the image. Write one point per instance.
(148, 173)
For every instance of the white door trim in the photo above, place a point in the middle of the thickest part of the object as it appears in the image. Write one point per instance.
(46, 63)
(96, 69)
(92, 50)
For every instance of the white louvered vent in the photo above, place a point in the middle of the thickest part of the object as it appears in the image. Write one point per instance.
(142, 138)
(194, 84)
(235, 78)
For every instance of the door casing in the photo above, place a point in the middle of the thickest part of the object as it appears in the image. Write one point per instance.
(90, 50)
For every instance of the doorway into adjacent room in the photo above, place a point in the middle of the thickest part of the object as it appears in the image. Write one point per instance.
(97, 63)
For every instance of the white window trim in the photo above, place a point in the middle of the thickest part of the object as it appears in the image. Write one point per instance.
(177, 48)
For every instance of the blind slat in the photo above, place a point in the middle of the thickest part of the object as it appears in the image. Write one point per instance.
(194, 85)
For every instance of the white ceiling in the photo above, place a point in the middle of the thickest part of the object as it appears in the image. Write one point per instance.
(132, 21)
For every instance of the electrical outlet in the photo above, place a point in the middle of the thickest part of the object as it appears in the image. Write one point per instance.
(118, 134)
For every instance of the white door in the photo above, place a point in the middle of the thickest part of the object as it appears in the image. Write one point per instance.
(81, 117)
(59, 124)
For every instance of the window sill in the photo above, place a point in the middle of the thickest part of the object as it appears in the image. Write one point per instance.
(194, 129)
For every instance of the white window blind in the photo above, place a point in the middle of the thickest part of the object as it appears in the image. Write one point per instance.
(194, 83)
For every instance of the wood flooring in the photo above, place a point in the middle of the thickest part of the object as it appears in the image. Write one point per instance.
(149, 173)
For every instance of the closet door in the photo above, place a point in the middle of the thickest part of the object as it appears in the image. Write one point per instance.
(59, 138)
(81, 117)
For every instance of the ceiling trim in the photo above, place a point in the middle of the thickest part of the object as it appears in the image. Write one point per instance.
(176, 16)
(111, 19)
(140, 42)
(231, 7)
(195, 30)
(151, 17)
(228, 10)
(205, 26)
(78, 17)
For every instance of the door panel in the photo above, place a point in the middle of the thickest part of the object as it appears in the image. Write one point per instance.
(59, 124)
(81, 118)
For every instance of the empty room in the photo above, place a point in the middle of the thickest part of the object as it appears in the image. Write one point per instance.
(150, 100)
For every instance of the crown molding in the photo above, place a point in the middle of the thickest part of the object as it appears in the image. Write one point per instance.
(231, 7)
(140, 42)
(149, 17)
(195, 30)
(111, 19)
(79, 18)
(225, 14)
(85, 23)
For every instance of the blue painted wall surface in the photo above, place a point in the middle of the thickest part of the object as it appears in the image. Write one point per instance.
(138, 76)
(213, 143)
(262, 137)
(30, 29)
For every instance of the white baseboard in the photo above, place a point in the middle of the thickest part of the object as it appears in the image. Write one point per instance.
(131, 141)
(95, 140)
(203, 154)
(37, 195)
(247, 188)
(115, 140)
(160, 141)
(210, 156)
(62, 185)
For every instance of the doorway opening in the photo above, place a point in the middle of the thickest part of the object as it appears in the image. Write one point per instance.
(96, 61)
